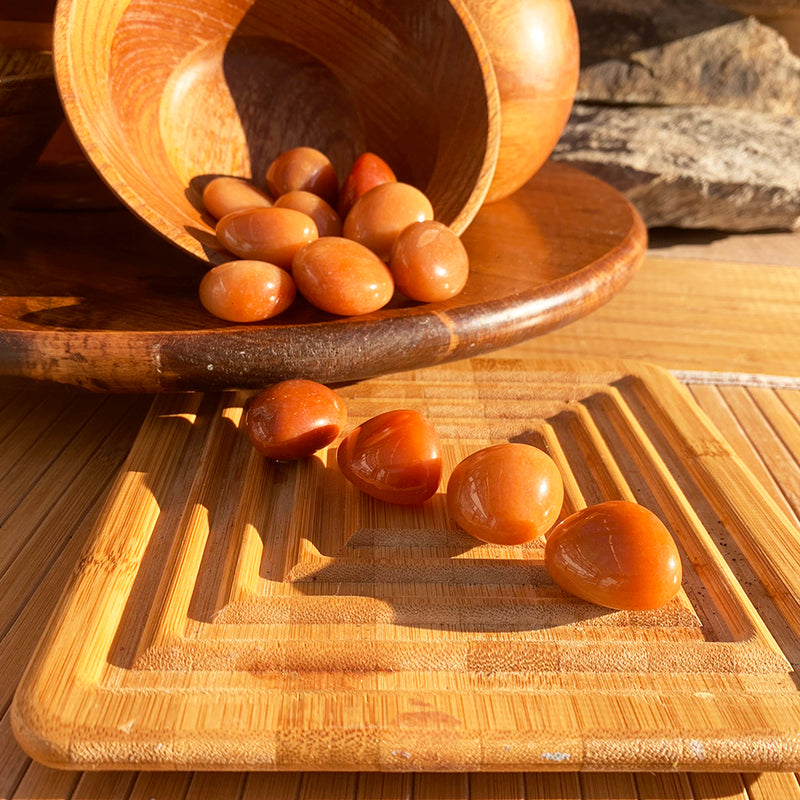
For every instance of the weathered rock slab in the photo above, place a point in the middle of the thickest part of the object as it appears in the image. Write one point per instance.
(613, 29)
(692, 166)
(740, 64)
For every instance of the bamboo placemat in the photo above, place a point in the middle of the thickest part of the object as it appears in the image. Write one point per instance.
(54, 447)
(692, 315)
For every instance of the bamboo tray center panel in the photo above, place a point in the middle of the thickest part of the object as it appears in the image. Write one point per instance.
(234, 613)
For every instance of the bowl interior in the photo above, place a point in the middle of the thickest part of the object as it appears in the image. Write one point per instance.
(162, 95)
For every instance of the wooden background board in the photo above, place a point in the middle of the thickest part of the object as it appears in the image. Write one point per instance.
(232, 614)
(694, 315)
(100, 301)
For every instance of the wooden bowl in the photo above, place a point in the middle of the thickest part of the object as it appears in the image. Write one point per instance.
(782, 15)
(535, 52)
(30, 112)
(162, 95)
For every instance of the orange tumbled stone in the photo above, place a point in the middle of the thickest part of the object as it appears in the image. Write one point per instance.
(303, 168)
(380, 214)
(292, 419)
(506, 493)
(266, 234)
(368, 171)
(617, 554)
(246, 291)
(342, 277)
(327, 219)
(429, 263)
(224, 195)
(395, 457)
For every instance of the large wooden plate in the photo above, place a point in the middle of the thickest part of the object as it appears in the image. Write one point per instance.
(97, 300)
(232, 613)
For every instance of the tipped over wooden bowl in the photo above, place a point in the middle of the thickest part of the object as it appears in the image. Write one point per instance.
(161, 95)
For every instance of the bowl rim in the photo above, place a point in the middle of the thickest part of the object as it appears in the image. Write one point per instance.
(83, 129)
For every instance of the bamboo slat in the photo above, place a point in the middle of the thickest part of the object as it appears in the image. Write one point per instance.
(707, 786)
(691, 315)
(223, 785)
(13, 761)
(660, 786)
(161, 785)
(383, 786)
(46, 783)
(608, 786)
(767, 785)
(104, 786)
(746, 441)
(40, 525)
(552, 786)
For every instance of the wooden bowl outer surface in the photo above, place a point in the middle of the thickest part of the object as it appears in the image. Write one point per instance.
(95, 301)
(161, 96)
(535, 53)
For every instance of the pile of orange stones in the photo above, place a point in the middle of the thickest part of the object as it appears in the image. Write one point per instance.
(346, 249)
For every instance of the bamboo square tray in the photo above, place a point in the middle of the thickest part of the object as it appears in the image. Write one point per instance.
(232, 613)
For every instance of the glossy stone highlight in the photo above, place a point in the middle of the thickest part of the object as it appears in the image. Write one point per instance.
(506, 493)
(342, 277)
(246, 291)
(616, 554)
(266, 234)
(378, 216)
(395, 457)
(429, 263)
(293, 419)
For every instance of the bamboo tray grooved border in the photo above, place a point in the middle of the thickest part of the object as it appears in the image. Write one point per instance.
(232, 613)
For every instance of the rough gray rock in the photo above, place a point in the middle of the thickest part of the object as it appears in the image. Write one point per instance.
(613, 29)
(692, 166)
(696, 114)
(740, 64)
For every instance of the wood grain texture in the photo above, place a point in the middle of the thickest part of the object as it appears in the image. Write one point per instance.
(66, 481)
(287, 619)
(693, 316)
(30, 110)
(98, 301)
(230, 85)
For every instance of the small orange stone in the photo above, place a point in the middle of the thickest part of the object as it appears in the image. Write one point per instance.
(395, 457)
(617, 554)
(506, 493)
(246, 291)
(429, 263)
(378, 216)
(294, 418)
(266, 234)
(224, 195)
(342, 277)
